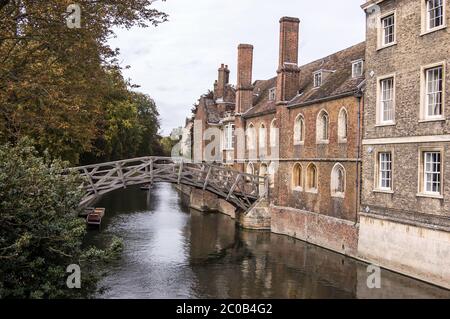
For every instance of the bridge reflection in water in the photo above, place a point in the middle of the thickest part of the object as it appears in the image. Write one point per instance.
(171, 252)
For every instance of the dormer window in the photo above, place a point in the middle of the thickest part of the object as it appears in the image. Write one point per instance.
(272, 94)
(357, 68)
(317, 79)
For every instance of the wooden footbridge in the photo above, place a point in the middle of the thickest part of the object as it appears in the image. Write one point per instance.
(240, 189)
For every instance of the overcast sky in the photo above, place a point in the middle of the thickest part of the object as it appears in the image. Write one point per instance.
(177, 61)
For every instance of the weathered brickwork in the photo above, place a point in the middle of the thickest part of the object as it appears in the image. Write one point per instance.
(362, 219)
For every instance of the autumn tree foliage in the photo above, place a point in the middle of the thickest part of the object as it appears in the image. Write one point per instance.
(63, 86)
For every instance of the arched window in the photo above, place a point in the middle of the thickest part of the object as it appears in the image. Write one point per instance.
(322, 127)
(262, 138)
(251, 137)
(338, 181)
(297, 177)
(262, 173)
(342, 125)
(311, 178)
(250, 169)
(299, 129)
(273, 134)
(271, 173)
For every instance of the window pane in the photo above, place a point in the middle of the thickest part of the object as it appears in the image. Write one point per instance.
(387, 100)
(388, 24)
(432, 172)
(434, 91)
(385, 170)
(435, 13)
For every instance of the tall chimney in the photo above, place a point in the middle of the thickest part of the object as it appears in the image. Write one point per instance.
(223, 80)
(288, 70)
(244, 94)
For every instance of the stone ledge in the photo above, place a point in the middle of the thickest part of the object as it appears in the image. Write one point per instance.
(412, 219)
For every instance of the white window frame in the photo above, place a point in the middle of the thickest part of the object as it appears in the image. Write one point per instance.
(380, 110)
(229, 137)
(318, 79)
(423, 173)
(385, 166)
(424, 117)
(426, 18)
(299, 120)
(272, 94)
(381, 30)
(354, 64)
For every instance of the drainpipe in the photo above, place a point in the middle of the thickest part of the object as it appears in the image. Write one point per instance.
(360, 96)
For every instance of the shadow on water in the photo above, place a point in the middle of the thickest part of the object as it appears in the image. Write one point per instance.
(172, 252)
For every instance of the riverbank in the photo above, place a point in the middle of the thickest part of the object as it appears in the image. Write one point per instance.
(338, 235)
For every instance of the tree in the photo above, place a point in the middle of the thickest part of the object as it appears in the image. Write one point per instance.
(40, 233)
(56, 83)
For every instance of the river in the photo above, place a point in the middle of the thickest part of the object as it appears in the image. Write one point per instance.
(171, 251)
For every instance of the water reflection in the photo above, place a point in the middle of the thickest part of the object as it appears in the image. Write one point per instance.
(171, 252)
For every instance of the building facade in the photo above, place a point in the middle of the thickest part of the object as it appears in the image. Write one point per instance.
(405, 218)
(355, 144)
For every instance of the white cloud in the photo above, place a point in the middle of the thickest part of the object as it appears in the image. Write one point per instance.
(177, 61)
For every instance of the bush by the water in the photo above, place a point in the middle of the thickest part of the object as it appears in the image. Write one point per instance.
(40, 233)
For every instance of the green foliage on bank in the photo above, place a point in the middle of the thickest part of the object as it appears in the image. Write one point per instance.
(40, 233)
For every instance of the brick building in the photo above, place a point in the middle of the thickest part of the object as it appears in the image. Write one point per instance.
(355, 143)
(406, 142)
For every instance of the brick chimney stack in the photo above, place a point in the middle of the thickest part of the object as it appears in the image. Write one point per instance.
(288, 70)
(223, 80)
(244, 94)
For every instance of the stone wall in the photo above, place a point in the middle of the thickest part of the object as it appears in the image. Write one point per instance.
(329, 232)
(415, 250)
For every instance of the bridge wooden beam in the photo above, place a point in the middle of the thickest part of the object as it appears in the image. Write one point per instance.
(180, 171)
(205, 184)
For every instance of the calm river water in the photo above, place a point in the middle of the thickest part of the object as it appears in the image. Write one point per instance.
(172, 252)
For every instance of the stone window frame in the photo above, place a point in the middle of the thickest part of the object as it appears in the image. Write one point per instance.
(296, 177)
(424, 18)
(380, 30)
(262, 133)
(271, 173)
(250, 172)
(333, 180)
(320, 128)
(274, 134)
(354, 63)
(341, 138)
(308, 189)
(299, 119)
(377, 185)
(421, 174)
(423, 117)
(251, 137)
(379, 122)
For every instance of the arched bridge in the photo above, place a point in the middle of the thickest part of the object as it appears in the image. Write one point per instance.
(240, 189)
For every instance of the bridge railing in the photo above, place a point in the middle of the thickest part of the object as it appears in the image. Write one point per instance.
(239, 188)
